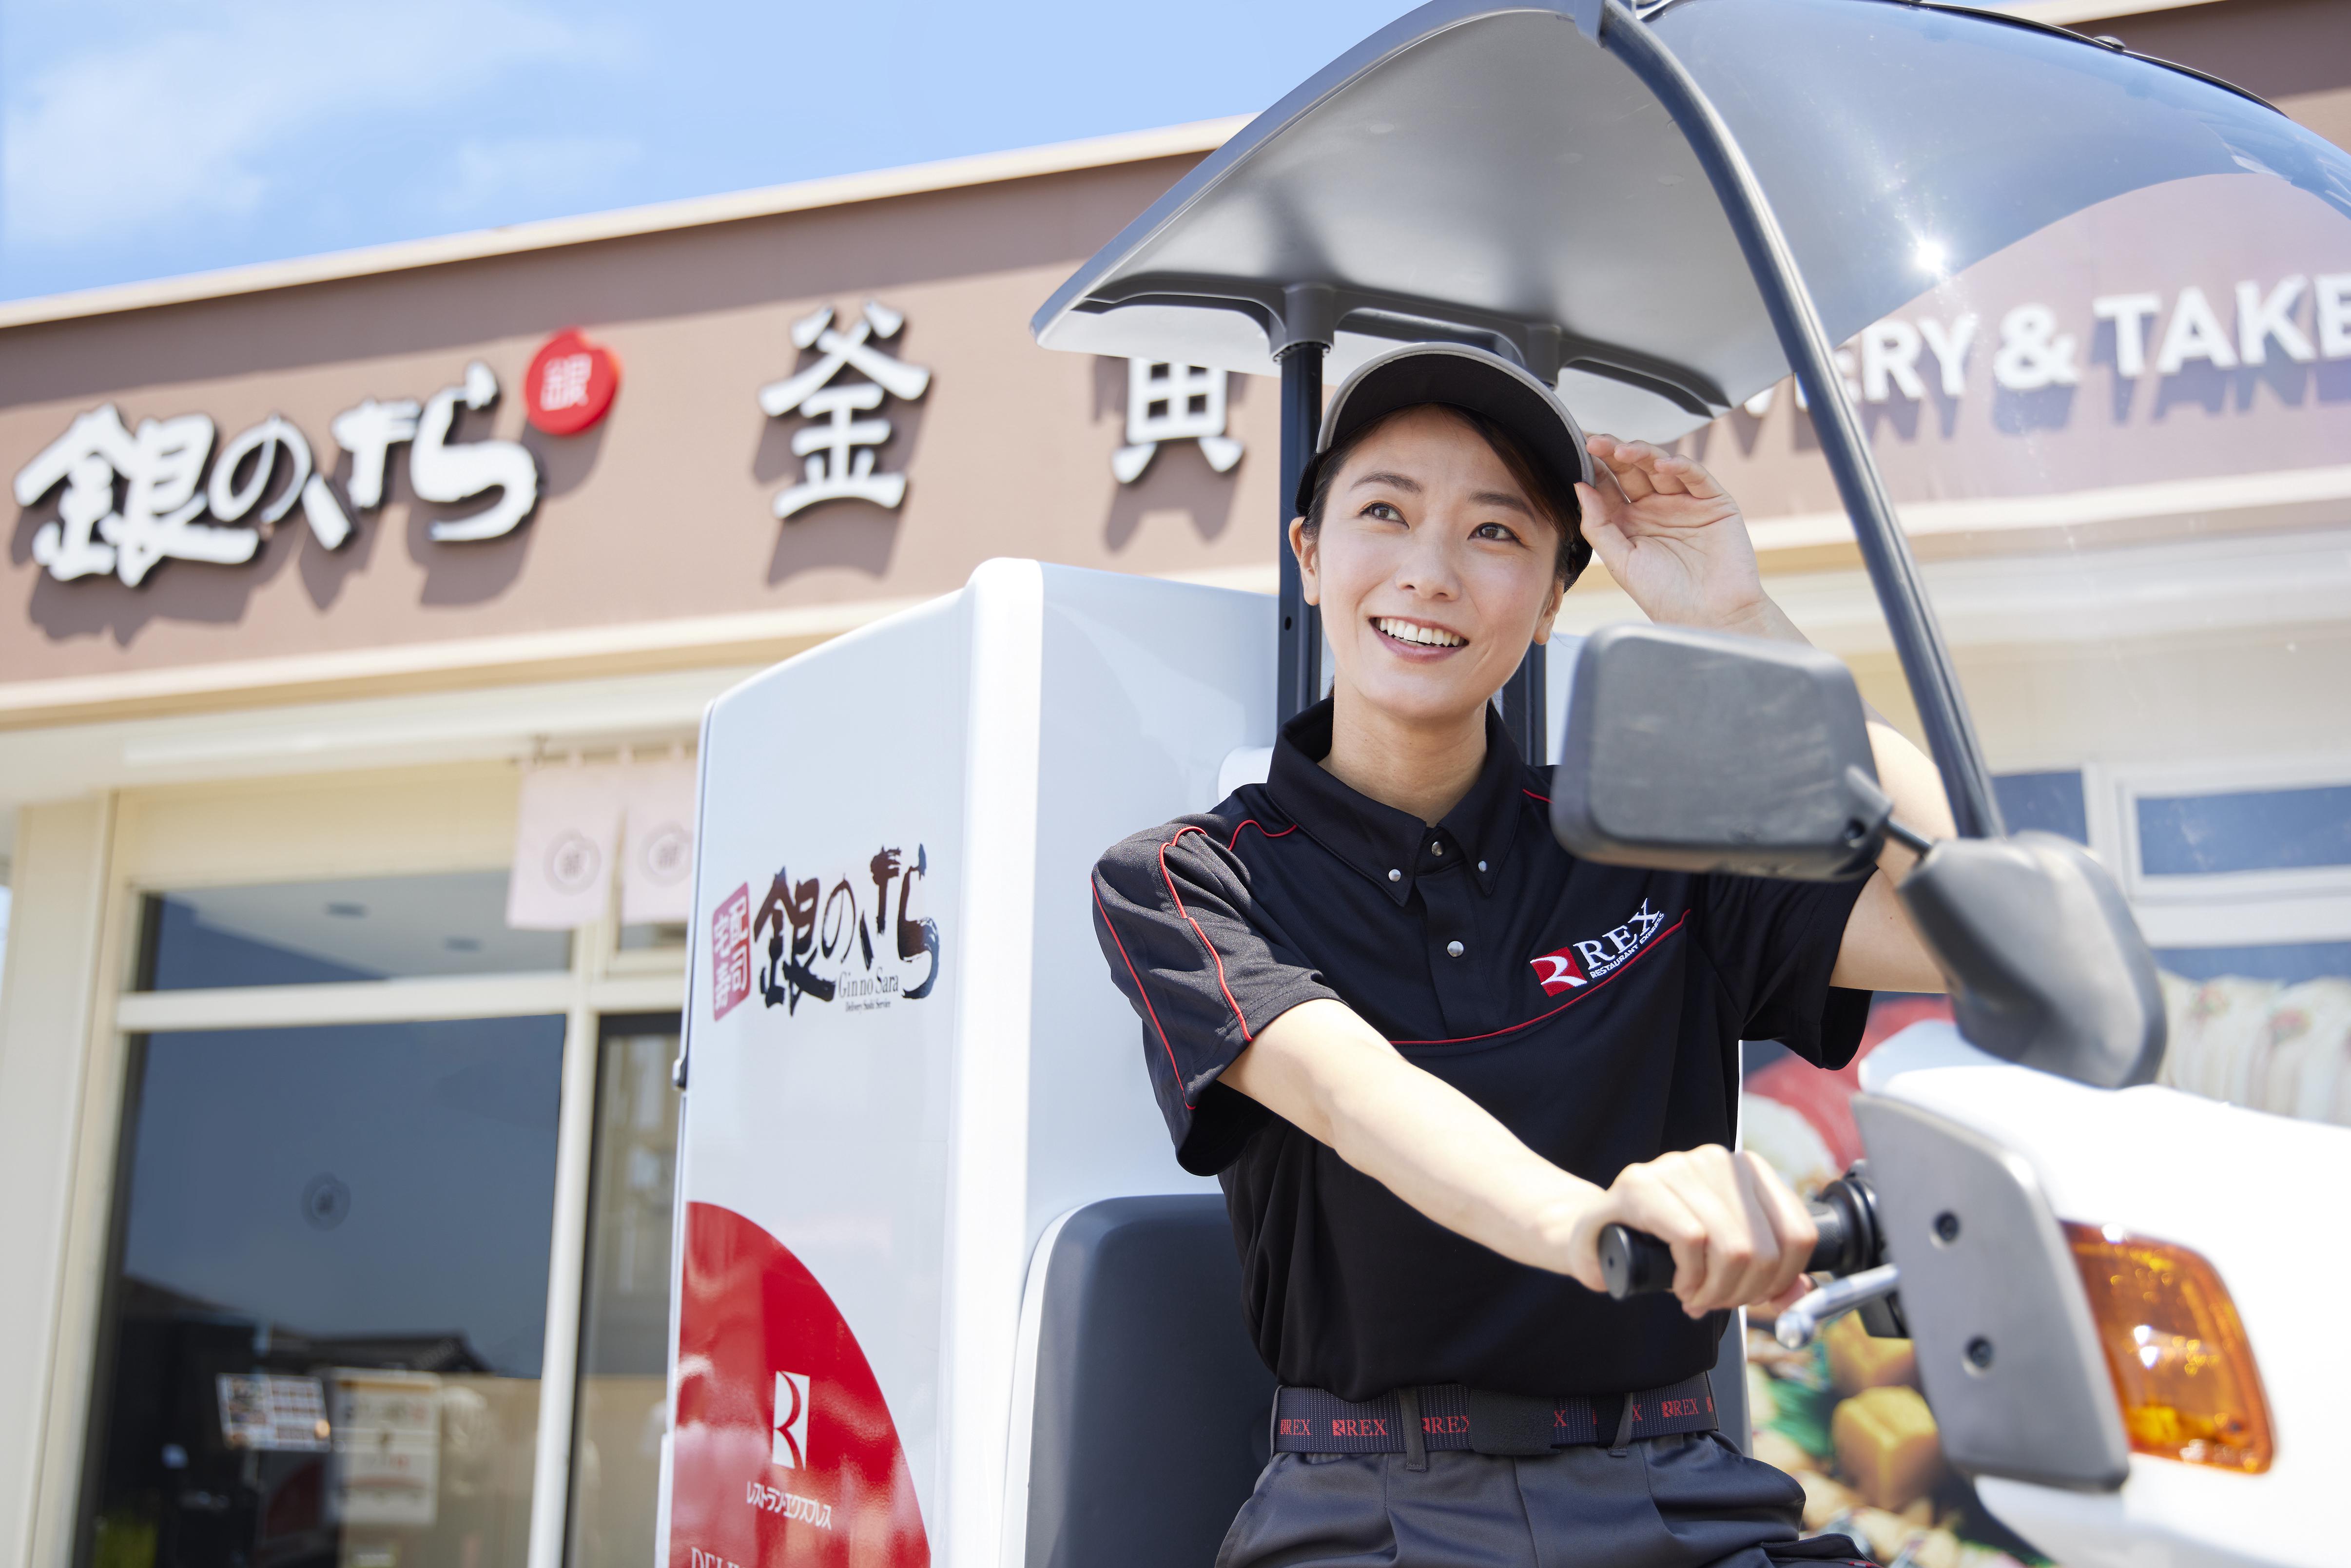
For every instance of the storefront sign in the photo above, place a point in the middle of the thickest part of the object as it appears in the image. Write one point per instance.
(2298, 319)
(570, 384)
(2186, 331)
(133, 499)
(839, 450)
(1173, 403)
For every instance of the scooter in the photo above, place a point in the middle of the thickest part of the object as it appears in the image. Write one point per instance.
(2092, 1311)
(941, 1295)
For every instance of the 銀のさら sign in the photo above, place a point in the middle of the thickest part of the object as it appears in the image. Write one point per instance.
(128, 498)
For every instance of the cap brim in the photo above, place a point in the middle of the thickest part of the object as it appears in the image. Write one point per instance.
(1483, 382)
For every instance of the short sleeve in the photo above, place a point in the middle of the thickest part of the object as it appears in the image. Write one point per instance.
(1184, 943)
(1774, 944)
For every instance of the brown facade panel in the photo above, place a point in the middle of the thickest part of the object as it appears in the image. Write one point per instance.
(665, 510)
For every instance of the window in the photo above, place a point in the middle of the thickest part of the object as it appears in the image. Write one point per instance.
(624, 1329)
(2307, 829)
(358, 1307)
(2046, 802)
(2250, 858)
(2288, 962)
(328, 1294)
(329, 932)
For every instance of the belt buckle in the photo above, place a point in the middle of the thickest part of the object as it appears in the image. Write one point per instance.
(1509, 1424)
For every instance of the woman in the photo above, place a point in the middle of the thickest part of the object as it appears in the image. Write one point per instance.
(1430, 1054)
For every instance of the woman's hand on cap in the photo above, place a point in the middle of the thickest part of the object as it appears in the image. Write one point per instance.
(1673, 539)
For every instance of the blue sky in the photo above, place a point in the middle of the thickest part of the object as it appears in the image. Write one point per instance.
(147, 138)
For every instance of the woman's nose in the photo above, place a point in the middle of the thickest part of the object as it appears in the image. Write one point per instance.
(1427, 566)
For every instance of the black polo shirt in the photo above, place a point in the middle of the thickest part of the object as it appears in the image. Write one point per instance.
(1594, 1010)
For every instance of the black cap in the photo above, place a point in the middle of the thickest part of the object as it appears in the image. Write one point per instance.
(1483, 382)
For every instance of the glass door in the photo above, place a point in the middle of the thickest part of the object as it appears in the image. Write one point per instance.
(329, 1295)
(622, 1407)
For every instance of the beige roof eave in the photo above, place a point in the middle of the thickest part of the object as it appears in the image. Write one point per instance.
(2069, 13)
(1200, 137)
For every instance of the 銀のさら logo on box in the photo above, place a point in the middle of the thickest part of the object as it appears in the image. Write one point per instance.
(836, 938)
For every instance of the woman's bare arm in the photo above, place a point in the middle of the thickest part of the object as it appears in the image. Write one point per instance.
(1738, 1235)
(1881, 952)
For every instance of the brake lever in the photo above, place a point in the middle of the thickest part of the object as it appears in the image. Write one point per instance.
(1798, 1326)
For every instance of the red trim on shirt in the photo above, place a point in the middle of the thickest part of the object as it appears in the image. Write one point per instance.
(1532, 796)
(1253, 822)
(1139, 991)
(1211, 946)
(1464, 1039)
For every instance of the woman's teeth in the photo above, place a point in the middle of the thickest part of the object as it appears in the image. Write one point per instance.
(1409, 632)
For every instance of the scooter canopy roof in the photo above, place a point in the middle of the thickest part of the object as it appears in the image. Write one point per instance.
(1494, 174)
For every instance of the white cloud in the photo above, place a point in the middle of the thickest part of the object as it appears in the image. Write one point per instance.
(145, 131)
(544, 168)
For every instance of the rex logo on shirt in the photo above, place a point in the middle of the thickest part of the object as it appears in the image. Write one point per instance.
(1579, 963)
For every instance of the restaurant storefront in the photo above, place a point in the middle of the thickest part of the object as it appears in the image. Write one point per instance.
(366, 610)
(363, 609)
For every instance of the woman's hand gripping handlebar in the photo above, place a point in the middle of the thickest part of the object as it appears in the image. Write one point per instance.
(1738, 1236)
(1847, 1245)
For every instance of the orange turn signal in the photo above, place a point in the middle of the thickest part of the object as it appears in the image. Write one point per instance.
(2182, 1365)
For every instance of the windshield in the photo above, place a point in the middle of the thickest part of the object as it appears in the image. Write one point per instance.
(2119, 440)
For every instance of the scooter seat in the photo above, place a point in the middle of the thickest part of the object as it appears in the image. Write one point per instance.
(1152, 1413)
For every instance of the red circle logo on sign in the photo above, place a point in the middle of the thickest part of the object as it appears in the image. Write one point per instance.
(571, 383)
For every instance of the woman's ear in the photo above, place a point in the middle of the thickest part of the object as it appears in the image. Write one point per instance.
(1307, 548)
(1549, 612)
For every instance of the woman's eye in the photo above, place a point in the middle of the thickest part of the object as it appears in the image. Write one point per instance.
(1384, 510)
(1494, 531)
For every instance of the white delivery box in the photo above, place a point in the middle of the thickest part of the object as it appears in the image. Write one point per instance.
(905, 1057)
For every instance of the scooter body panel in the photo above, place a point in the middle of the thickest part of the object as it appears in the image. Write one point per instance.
(2173, 1166)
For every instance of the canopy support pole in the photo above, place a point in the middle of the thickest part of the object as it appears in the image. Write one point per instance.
(1298, 666)
(1525, 702)
(1925, 660)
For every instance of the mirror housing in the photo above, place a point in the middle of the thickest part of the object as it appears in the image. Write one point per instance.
(2046, 967)
(1703, 751)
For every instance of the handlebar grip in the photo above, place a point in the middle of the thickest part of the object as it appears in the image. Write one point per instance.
(1633, 1262)
(1636, 1263)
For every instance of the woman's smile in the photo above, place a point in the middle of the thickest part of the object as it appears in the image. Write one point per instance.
(1420, 640)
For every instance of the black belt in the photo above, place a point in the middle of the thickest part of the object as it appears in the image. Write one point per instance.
(1313, 1421)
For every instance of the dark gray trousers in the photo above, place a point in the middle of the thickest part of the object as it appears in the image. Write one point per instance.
(1691, 1500)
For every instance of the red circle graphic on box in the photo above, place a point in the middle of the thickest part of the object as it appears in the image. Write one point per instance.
(785, 1455)
(571, 383)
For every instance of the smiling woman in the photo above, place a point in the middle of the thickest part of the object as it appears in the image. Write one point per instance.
(1422, 1009)
(1436, 560)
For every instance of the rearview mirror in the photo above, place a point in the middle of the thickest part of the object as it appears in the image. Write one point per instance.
(1702, 751)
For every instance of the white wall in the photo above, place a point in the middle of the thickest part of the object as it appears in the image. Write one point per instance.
(46, 1000)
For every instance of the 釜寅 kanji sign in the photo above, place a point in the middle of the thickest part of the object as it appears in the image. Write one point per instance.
(1173, 403)
(838, 449)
